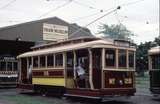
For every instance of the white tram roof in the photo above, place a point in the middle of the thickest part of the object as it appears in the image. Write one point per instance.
(154, 50)
(91, 44)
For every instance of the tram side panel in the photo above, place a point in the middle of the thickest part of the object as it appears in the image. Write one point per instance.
(43, 79)
(154, 65)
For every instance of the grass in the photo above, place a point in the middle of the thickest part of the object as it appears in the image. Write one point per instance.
(24, 99)
(143, 84)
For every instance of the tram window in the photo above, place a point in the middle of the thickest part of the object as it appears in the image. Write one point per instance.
(50, 60)
(42, 61)
(35, 61)
(122, 58)
(3, 66)
(110, 58)
(15, 66)
(58, 60)
(70, 59)
(9, 66)
(156, 62)
(131, 59)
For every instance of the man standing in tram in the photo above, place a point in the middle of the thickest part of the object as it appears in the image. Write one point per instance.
(80, 76)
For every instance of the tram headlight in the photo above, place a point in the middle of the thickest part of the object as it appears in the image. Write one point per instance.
(9, 76)
(120, 82)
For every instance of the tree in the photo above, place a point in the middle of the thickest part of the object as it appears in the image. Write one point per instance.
(142, 54)
(157, 40)
(115, 31)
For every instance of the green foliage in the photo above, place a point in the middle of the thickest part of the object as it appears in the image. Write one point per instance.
(115, 31)
(142, 54)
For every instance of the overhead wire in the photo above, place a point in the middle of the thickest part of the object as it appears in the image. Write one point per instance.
(96, 20)
(6, 5)
(82, 4)
(85, 5)
(130, 3)
(116, 13)
(125, 4)
(54, 9)
(87, 16)
(103, 10)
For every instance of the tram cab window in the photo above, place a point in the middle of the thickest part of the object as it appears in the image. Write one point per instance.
(110, 58)
(131, 59)
(9, 66)
(50, 60)
(3, 66)
(35, 61)
(156, 61)
(70, 58)
(122, 58)
(42, 61)
(58, 60)
(15, 66)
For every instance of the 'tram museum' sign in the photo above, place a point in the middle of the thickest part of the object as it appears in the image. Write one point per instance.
(54, 32)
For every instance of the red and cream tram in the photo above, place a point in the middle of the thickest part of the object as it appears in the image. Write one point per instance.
(109, 68)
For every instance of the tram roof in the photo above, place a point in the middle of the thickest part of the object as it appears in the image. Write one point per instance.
(75, 46)
(154, 50)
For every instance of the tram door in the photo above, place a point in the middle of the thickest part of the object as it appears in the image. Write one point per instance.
(96, 59)
(23, 70)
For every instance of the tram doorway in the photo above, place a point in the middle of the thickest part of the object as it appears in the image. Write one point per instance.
(78, 63)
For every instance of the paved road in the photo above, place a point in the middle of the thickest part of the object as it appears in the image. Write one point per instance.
(139, 98)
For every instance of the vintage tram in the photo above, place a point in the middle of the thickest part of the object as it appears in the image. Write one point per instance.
(109, 68)
(8, 71)
(154, 70)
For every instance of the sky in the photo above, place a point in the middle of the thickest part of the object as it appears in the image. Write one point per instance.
(139, 16)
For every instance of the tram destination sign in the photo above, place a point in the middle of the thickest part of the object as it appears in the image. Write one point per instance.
(54, 32)
(122, 43)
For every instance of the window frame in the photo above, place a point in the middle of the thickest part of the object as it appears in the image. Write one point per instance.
(129, 51)
(113, 49)
(126, 58)
(53, 61)
(43, 64)
(55, 65)
(155, 64)
(37, 66)
(5, 64)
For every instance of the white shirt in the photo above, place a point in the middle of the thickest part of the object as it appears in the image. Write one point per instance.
(80, 71)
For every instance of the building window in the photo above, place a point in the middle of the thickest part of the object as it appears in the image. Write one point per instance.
(3, 66)
(122, 58)
(35, 61)
(156, 61)
(50, 60)
(58, 60)
(42, 61)
(110, 58)
(131, 59)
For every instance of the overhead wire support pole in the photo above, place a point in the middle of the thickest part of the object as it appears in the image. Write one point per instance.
(96, 20)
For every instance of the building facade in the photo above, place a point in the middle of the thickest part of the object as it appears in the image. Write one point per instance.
(19, 38)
